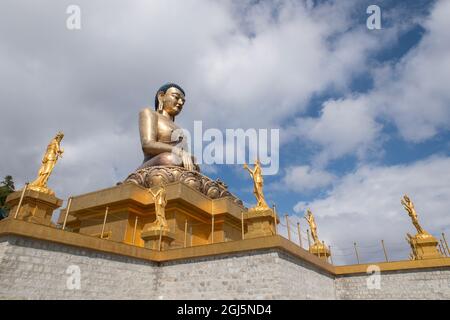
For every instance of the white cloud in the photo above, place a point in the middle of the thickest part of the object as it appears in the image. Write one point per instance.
(365, 207)
(344, 126)
(241, 66)
(284, 62)
(412, 93)
(304, 178)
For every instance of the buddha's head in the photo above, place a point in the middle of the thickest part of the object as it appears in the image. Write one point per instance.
(170, 98)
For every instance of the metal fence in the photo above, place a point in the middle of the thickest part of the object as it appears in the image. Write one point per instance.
(352, 253)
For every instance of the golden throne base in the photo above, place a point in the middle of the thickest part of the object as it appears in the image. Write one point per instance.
(260, 223)
(157, 239)
(320, 250)
(37, 207)
(425, 247)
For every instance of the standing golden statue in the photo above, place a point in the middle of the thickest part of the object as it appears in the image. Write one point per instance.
(409, 207)
(162, 141)
(258, 183)
(160, 205)
(312, 225)
(317, 248)
(260, 220)
(423, 245)
(53, 152)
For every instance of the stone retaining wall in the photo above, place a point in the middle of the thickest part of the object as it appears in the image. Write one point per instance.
(39, 269)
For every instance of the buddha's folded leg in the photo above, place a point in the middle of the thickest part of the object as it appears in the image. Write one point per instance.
(162, 159)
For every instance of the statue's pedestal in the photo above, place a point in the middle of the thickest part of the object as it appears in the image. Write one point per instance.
(424, 247)
(157, 239)
(37, 207)
(320, 250)
(260, 223)
(131, 211)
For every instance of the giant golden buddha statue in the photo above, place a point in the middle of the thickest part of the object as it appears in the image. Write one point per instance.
(161, 139)
(166, 156)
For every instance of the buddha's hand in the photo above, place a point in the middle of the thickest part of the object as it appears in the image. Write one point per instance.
(187, 161)
(183, 158)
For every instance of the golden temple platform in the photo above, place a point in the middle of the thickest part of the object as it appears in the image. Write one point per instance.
(193, 218)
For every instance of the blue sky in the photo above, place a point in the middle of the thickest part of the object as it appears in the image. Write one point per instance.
(363, 114)
(393, 149)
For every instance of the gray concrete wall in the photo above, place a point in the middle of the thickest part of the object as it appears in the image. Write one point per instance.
(414, 284)
(299, 280)
(35, 269)
(32, 269)
(253, 275)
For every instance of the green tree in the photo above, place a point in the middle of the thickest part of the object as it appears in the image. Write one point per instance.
(6, 187)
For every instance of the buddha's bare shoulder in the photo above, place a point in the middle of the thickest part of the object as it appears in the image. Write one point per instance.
(147, 114)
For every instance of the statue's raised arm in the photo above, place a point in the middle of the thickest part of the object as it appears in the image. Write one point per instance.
(248, 169)
(408, 205)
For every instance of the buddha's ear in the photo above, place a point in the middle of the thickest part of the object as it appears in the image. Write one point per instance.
(160, 100)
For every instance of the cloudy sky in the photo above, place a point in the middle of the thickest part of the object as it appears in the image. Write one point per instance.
(363, 114)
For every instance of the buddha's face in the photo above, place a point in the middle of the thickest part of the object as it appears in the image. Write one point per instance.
(173, 101)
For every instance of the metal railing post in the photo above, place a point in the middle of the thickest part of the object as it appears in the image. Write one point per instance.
(287, 225)
(104, 222)
(356, 251)
(134, 230)
(185, 232)
(446, 244)
(242, 224)
(67, 213)
(384, 250)
(212, 229)
(299, 235)
(275, 218)
(21, 199)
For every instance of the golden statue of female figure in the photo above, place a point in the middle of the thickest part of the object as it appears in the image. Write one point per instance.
(258, 183)
(160, 205)
(312, 225)
(53, 152)
(409, 207)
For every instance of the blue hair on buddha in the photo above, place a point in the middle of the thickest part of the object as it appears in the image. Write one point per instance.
(164, 89)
